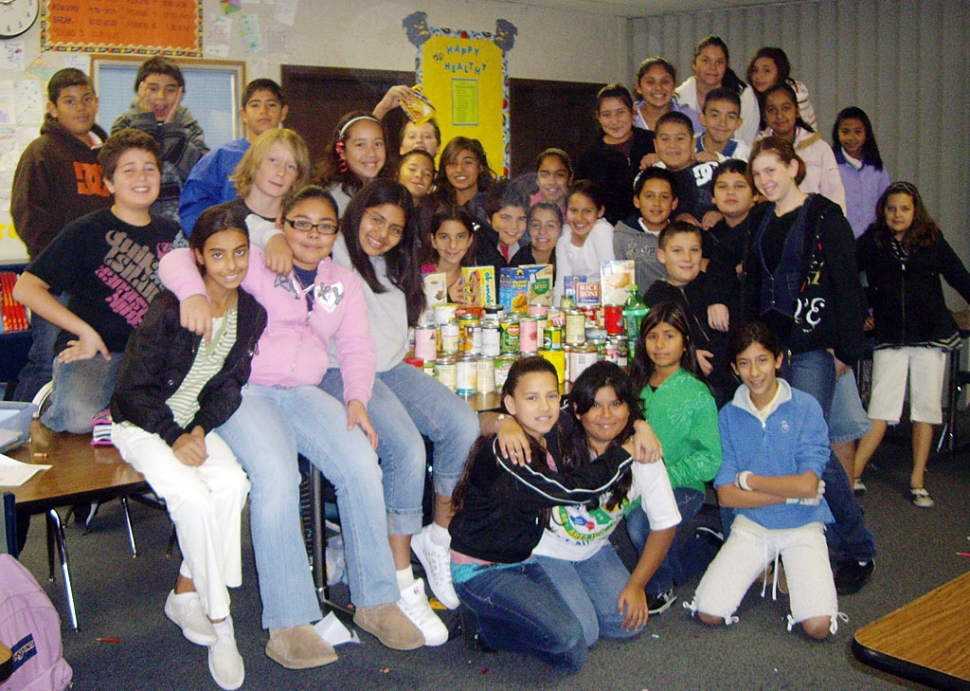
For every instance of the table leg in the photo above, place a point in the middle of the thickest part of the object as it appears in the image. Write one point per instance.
(55, 522)
(318, 536)
(131, 533)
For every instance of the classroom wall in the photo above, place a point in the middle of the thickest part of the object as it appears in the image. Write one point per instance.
(906, 63)
(551, 44)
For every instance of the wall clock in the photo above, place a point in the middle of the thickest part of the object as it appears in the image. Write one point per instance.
(16, 16)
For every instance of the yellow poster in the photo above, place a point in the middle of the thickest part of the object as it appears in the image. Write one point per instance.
(464, 74)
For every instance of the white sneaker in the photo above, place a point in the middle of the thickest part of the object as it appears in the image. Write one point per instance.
(186, 612)
(414, 604)
(436, 561)
(225, 662)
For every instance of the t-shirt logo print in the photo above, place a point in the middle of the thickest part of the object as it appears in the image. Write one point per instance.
(129, 269)
(89, 180)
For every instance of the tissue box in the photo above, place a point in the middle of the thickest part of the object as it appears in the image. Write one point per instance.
(15, 424)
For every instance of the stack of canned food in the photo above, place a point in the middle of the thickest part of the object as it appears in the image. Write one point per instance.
(470, 349)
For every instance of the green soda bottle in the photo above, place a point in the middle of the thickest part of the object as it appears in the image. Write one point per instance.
(634, 310)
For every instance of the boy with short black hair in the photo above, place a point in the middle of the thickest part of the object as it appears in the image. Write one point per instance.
(107, 262)
(675, 148)
(655, 196)
(506, 207)
(721, 118)
(158, 110)
(263, 108)
(57, 180)
(679, 250)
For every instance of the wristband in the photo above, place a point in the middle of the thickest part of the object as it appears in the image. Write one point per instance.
(742, 480)
(793, 500)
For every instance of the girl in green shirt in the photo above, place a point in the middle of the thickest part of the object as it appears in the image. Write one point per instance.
(681, 410)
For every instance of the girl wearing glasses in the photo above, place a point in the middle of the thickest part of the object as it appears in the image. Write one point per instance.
(377, 241)
(317, 311)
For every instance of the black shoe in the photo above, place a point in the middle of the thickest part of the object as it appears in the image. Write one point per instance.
(851, 576)
(712, 537)
(84, 513)
(658, 604)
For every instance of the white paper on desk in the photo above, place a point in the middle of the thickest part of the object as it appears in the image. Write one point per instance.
(13, 473)
(334, 632)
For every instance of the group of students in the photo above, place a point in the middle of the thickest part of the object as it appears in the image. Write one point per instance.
(281, 330)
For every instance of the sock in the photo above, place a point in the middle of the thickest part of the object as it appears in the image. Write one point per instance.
(440, 536)
(222, 628)
(405, 578)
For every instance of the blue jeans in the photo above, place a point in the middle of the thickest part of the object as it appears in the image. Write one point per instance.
(592, 589)
(406, 404)
(519, 609)
(38, 370)
(849, 537)
(676, 566)
(270, 427)
(848, 420)
(81, 389)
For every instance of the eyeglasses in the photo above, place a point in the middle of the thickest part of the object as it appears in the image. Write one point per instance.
(304, 226)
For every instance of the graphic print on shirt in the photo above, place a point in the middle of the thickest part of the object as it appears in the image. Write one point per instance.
(89, 180)
(581, 525)
(326, 296)
(130, 270)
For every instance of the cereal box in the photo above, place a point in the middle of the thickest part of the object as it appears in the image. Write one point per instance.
(479, 285)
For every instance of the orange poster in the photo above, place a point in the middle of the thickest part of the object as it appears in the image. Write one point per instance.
(156, 27)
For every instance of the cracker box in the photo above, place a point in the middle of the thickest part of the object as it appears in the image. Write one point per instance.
(587, 294)
(616, 277)
(540, 284)
(479, 285)
(513, 288)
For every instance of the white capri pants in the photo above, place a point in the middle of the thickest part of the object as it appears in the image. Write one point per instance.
(745, 556)
(205, 502)
(925, 366)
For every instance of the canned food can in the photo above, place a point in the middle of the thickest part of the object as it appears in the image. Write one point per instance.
(503, 364)
(553, 338)
(622, 352)
(444, 314)
(566, 303)
(612, 351)
(473, 340)
(575, 328)
(600, 345)
(528, 335)
(425, 342)
(466, 377)
(445, 371)
(613, 319)
(494, 313)
(556, 318)
(538, 310)
(579, 359)
(449, 337)
(486, 374)
(509, 337)
(558, 360)
(491, 345)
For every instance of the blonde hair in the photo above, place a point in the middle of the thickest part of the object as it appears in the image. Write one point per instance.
(242, 177)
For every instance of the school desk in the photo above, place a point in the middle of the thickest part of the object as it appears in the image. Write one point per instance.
(927, 641)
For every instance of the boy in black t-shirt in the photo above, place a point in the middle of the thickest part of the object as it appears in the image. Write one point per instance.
(107, 262)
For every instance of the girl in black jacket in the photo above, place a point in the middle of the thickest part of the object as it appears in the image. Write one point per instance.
(172, 391)
(904, 255)
(501, 511)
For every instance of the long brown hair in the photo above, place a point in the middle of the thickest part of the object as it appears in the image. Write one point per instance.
(922, 233)
(667, 312)
(518, 370)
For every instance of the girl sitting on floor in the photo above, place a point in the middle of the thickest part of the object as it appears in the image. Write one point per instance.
(501, 510)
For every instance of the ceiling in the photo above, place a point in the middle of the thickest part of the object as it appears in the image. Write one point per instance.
(646, 8)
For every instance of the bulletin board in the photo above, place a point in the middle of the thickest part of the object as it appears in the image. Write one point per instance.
(465, 75)
(155, 27)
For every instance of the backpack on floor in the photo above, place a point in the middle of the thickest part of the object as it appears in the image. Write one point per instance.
(31, 628)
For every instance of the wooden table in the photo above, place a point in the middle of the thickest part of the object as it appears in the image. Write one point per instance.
(79, 473)
(927, 640)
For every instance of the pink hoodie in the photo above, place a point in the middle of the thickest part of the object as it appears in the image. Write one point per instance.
(293, 348)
